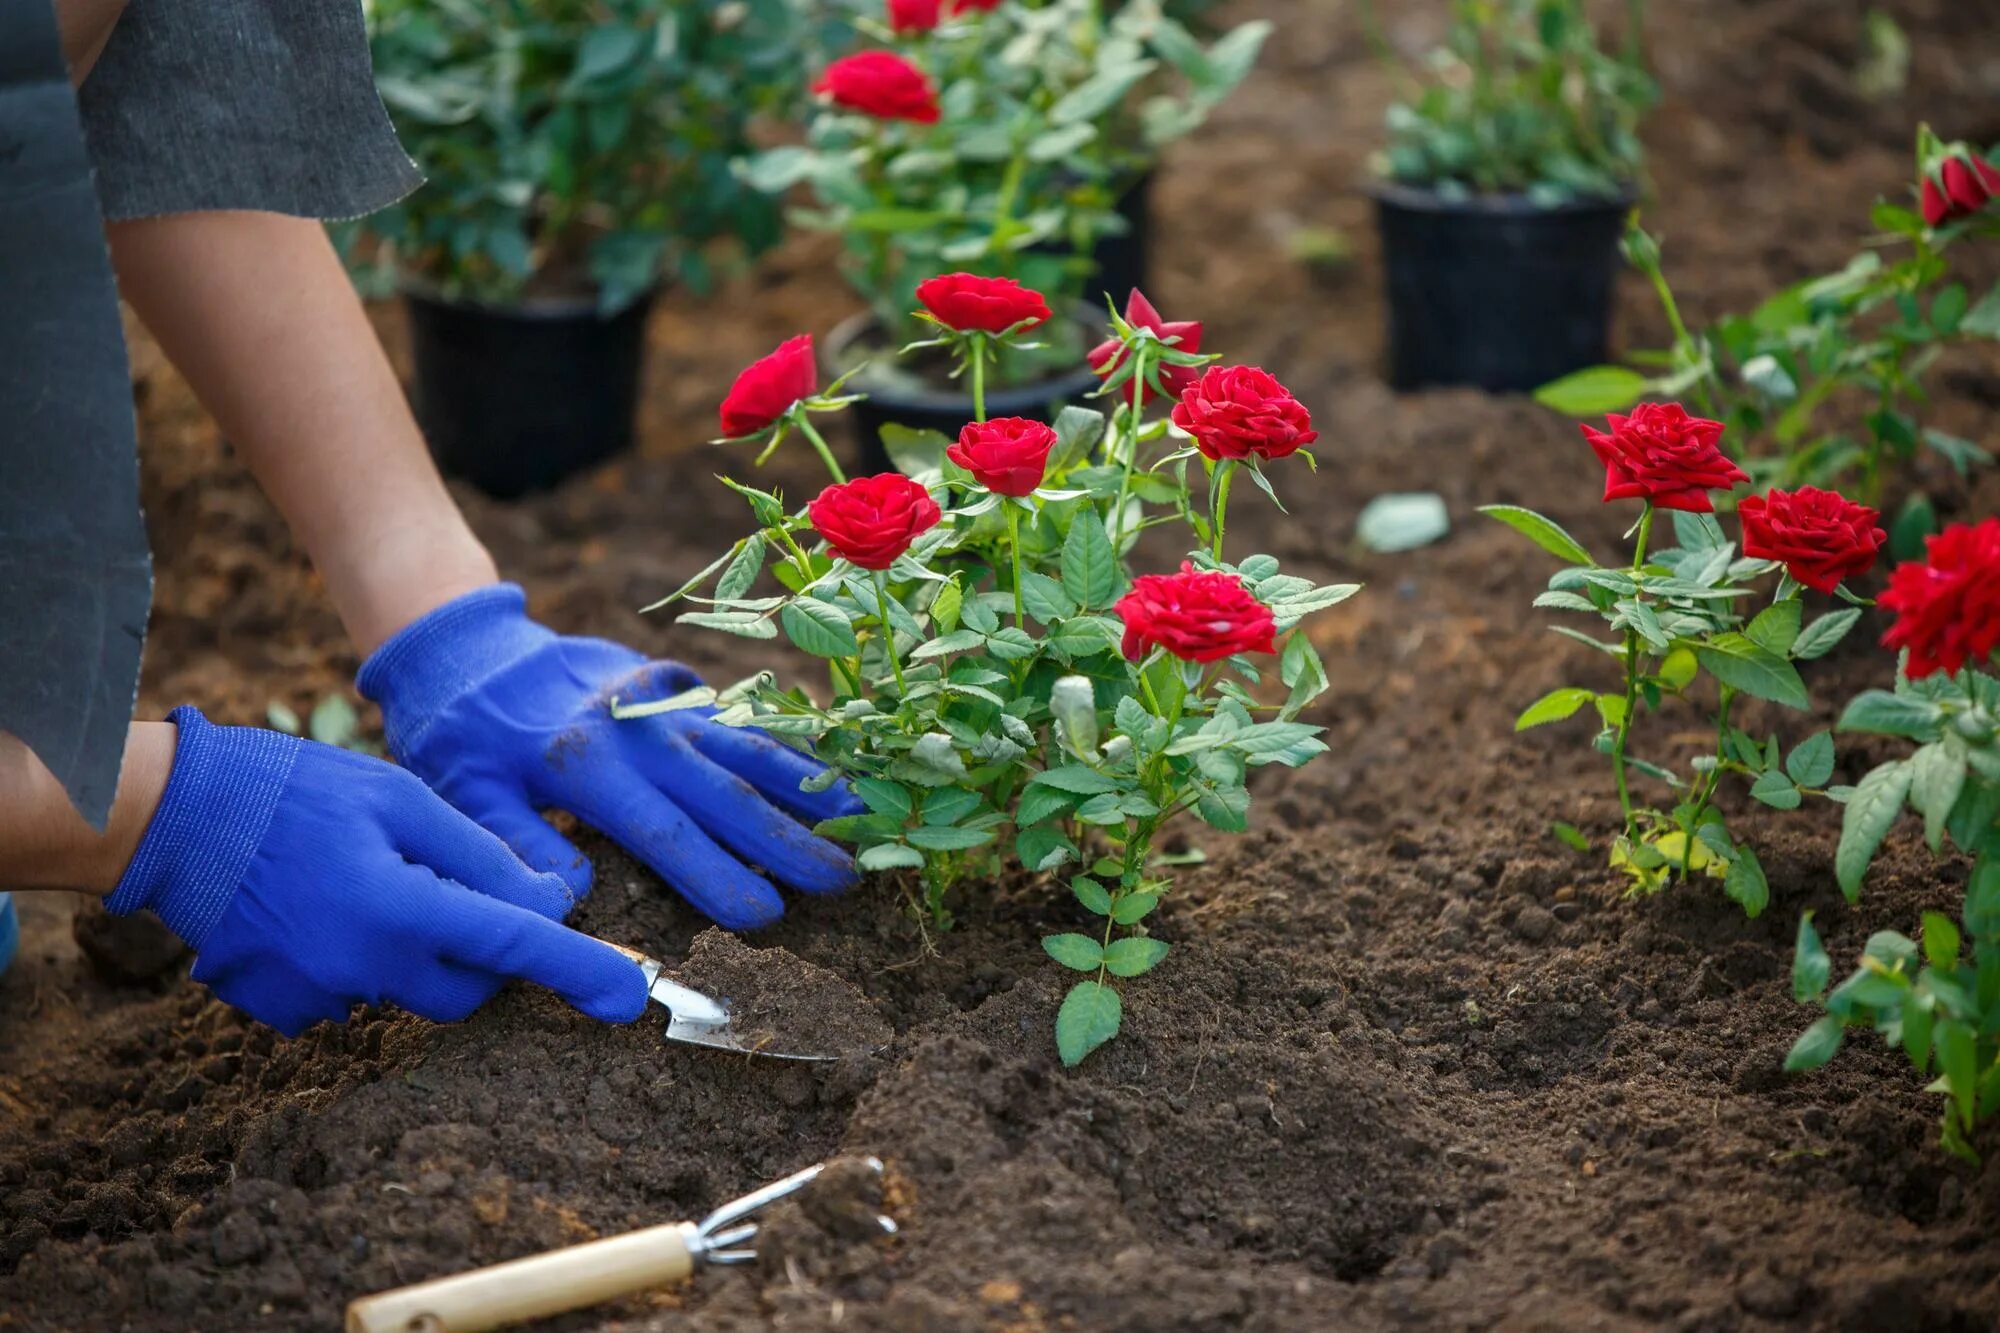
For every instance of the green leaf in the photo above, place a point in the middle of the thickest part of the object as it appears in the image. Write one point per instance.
(1089, 1017)
(743, 570)
(945, 607)
(1937, 776)
(1877, 800)
(1094, 897)
(1075, 778)
(1554, 707)
(890, 856)
(1079, 952)
(958, 641)
(1569, 835)
(1776, 790)
(1133, 955)
(606, 48)
(1043, 848)
(883, 797)
(1816, 1045)
(1776, 627)
(1958, 1061)
(819, 628)
(1811, 764)
(1045, 599)
(748, 624)
(1099, 93)
(280, 717)
(333, 721)
(1738, 662)
(1089, 567)
(1543, 532)
(1887, 714)
(1810, 966)
(1745, 883)
(1040, 803)
(1078, 429)
(1818, 638)
(1593, 391)
(944, 838)
(1942, 941)
(1134, 907)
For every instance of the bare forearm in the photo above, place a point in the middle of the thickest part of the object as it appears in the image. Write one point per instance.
(44, 843)
(254, 309)
(85, 26)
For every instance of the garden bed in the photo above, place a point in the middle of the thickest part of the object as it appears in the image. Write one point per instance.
(1412, 1063)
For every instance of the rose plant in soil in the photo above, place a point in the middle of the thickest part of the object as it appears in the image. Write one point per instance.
(1937, 998)
(1002, 690)
(1790, 378)
(1685, 614)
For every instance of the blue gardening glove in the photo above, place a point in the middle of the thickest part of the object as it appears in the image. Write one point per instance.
(307, 879)
(503, 718)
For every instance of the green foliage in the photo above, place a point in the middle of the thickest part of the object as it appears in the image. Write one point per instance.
(332, 721)
(574, 146)
(1522, 99)
(1677, 613)
(1049, 113)
(1826, 381)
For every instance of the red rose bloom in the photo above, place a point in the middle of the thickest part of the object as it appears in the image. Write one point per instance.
(881, 84)
(1821, 537)
(967, 302)
(1197, 616)
(872, 520)
(1662, 454)
(1006, 455)
(1240, 411)
(767, 389)
(1948, 605)
(914, 15)
(1106, 356)
(1961, 187)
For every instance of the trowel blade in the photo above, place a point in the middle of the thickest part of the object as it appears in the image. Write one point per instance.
(702, 1020)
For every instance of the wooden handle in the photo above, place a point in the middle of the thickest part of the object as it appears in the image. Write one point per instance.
(531, 1288)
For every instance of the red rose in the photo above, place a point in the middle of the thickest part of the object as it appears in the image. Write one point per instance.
(1662, 454)
(1139, 312)
(914, 15)
(967, 302)
(1948, 605)
(1006, 455)
(767, 389)
(872, 520)
(1197, 616)
(1238, 411)
(1963, 184)
(881, 84)
(1821, 537)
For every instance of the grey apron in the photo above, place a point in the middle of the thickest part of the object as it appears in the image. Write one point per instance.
(194, 105)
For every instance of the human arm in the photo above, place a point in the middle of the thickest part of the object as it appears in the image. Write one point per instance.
(45, 843)
(85, 26)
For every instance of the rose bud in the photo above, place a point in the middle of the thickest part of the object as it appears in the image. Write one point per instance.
(1240, 411)
(1960, 187)
(880, 84)
(1139, 313)
(1198, 616)
(1006, 455)
(1947, 605)
(969, 303)
(1662, 454)
(768, 388)
(1821, 537)
(872, 520)
(914, 15)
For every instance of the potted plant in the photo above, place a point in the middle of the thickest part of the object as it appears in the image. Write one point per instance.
(578, 155)
(1502, 193)
(996, 139)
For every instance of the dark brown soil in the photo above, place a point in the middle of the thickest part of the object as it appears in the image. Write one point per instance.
(1411, 1064)
(779, 1002)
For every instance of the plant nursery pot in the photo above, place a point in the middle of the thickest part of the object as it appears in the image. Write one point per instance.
(1495, 291)
(1121, 259)
(515, 399)
(920, 405)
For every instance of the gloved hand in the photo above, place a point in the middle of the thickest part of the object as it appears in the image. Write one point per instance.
(307, 879)
(503, 718)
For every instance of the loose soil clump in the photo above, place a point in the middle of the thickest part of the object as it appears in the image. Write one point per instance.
(780, 1002)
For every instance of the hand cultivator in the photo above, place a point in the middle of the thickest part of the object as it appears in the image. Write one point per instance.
(541, 1285)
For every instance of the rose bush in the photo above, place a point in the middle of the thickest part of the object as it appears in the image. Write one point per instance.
(1948, 605)
(1002, 691)
(1680, 613)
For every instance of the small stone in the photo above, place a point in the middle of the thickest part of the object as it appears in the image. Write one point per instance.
(1534, 923)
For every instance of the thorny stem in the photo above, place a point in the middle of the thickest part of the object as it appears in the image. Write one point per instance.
(888, 629)
(1218, 510)
(1014, 550)
(1631, 684)
(825, 454)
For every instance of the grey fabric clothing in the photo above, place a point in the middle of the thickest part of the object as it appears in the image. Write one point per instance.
(241, 104)
(75, 577)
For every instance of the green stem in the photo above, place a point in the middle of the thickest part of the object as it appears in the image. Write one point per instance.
(1705, 793)
(1631, 685)
(1129, 455)
(1218, 511)
(979, 377)
(825, 454)
(888, 629)
(1014, 550)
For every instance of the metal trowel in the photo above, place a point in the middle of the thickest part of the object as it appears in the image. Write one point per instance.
(704, 1020)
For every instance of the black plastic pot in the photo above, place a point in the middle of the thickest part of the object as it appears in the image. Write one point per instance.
(515, 399)
(922, 406)
(1495, 291)
(1121, 259)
